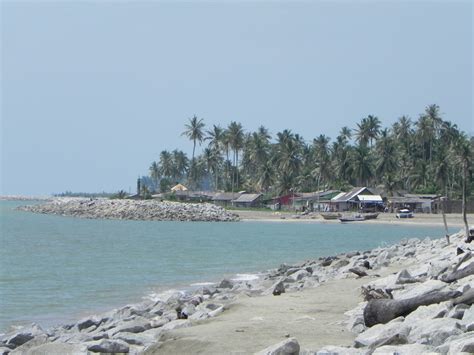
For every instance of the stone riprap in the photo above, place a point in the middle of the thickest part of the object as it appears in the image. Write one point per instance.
(149, 210)
(446, 327)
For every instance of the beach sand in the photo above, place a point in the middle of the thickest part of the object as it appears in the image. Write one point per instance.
(314, 316)
(453, 219)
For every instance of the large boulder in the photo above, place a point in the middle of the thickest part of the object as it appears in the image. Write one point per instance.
(22, 336)
(109, 346)
(407, 349)
(463, 343)
(434, 332)
(393, 333)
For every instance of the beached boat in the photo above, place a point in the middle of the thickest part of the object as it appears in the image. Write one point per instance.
(373, 215)
(355, 218)
(331, 215)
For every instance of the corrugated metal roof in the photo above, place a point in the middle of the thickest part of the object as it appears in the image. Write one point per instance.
(247, 197)
(370, 198)
(226, 196)
(349, 195)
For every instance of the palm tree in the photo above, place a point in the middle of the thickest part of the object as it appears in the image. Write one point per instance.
(155, 173)
(387, 162)
(362, 133)
(362, 162)
(236, 141)
(180, 164)
(194, 131)
(373, 127)
(166, 164)
(464, 149)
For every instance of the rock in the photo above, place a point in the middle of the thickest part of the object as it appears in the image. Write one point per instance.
(463, 343)
(89, 322)
(225, 284)
(57, 348)
(424, 313)
(276, 289)
(143, 339)
(286, 347)
(299, 275)
(23, 335)
(407, 349)
(404, 277)
(176, 324)
(216, 311)
(434, 331)
(337, 350)
(458, 311)
(109, 346)
(392, 333)
(4, 350)
(134, 326)
(419, 289)
(468, 319)
(36, 341)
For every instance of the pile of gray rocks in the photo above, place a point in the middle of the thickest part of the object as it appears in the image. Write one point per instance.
(150, 210)
(446, 327)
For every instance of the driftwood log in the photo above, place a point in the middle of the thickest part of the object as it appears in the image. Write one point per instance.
(384, 310)
(459, 274)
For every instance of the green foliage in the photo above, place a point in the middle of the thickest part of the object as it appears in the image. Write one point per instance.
(121, 194)
(427, 155)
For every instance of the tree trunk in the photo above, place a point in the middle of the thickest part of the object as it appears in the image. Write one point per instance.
(384, 310)
(459, 274)
(443, 211)
(464, 207)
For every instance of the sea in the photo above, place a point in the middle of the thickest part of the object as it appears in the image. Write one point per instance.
(55, 269)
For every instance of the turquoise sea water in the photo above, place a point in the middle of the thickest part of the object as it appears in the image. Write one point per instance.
(57, 269)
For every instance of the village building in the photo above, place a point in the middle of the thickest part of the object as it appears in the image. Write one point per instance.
(358, 199)
(248, 200)
(224, 199)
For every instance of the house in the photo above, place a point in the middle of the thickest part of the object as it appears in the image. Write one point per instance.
(179, 187)
(248, 200)
(315, 201)
(414, 202)
(283, 201)
(225, 199)
(359, 198)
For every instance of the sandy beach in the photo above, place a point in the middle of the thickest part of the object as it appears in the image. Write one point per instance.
(314, 316)
(453, 219)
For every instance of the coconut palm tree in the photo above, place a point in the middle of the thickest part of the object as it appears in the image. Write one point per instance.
(194, 131)
(373, 127)
(362, 164)
(155, 173)
(166, 164)
(236, 140)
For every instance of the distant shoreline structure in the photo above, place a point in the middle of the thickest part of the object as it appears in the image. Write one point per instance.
(25, 197)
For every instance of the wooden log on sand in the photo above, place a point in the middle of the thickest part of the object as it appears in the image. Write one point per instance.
(384, 310)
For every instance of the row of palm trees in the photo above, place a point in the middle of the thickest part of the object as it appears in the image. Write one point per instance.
(429, 155)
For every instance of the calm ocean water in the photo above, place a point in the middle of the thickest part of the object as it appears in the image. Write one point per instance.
(56, 269)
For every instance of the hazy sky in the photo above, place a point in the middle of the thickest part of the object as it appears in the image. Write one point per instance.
(92, 91)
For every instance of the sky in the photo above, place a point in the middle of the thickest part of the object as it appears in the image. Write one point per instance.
(93, 91)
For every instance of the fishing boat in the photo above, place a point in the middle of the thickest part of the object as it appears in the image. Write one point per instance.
(331, 215)
(354, 218)
(373, 215)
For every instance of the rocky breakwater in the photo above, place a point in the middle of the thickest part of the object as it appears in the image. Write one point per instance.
(132, 209)
(427, 307)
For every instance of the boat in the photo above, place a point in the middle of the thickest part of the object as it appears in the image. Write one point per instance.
(404, 213)
(331, 215)
(355, 218)
(372, 215)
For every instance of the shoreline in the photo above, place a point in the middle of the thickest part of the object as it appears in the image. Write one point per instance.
(423, 219)
(216, 312)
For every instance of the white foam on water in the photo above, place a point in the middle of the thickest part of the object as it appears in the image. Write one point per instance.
(245, 277)
(203, 284)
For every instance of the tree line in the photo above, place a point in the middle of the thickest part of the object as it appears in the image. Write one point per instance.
(426, 155)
